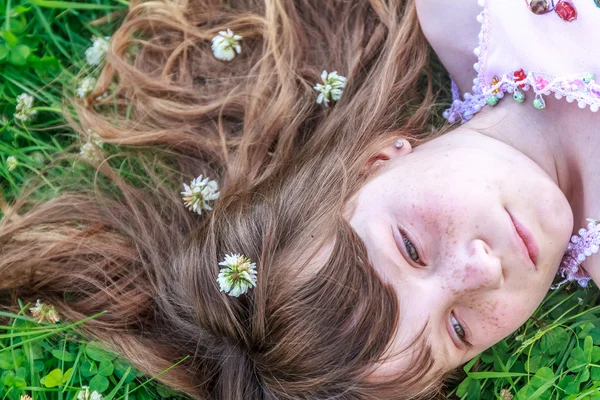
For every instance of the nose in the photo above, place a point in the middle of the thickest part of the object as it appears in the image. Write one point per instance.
(479, 269)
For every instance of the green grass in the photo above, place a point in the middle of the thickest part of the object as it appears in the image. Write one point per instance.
(50, 361)
(42, 52)
(555, 355)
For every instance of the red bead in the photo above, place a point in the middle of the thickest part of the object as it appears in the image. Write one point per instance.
(520, 75)
(566, 11)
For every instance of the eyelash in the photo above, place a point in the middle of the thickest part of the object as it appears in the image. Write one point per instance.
(456, 324)
(407, 244)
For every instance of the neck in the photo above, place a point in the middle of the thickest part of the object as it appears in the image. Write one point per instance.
(559, 139)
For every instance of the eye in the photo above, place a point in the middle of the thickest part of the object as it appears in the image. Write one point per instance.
(460, 331)
(410, 248)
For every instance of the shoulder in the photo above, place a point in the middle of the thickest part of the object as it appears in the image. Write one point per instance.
(452, 30)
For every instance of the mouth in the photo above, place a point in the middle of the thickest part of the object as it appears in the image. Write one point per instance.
(524, 236)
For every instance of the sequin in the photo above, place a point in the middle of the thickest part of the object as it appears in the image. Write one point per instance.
(566, 11)
(539, 6)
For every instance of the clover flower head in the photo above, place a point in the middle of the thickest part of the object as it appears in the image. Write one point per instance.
(88, 152)
(331, 89)
(95, 138)
(506, 394)
(85, 394)
(24, 105)
(238, 276)
(199, 194)
(11, 163)
(44, 313)
(86, 86)
(25, 397)
(226, 44)
(96, 53)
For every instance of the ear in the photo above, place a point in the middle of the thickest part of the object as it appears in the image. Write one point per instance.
(398, 148)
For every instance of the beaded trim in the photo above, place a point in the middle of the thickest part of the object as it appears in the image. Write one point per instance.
(581, 88)
(579, 248)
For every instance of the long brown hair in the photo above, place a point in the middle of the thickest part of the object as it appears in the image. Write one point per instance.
(320, 317)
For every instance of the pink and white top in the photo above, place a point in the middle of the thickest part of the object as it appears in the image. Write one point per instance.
(533, 56)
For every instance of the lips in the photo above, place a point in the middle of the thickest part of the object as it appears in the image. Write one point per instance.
(525, 236)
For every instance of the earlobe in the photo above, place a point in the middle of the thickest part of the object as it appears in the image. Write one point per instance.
(401, 147)
(398, 148)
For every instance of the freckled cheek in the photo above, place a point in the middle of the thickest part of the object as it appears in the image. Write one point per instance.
(497, 320)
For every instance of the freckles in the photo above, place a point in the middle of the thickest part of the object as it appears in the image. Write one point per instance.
(451, 224)
(493, 320)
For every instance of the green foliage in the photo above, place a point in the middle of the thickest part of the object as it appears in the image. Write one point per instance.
(48, 361)
(555, 355)
(42, 54)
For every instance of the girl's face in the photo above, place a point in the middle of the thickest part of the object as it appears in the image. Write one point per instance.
(438, 225)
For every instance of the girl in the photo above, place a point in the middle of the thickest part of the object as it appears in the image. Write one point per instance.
(345, 252)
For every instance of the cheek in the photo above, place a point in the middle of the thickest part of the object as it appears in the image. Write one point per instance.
(497, 319)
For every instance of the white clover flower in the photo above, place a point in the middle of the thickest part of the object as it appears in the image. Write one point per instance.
(226, 44)
(506, 394)
(95, 54)
(238, 276)
(95, 138)
(85, 394)
(87, 85)
(88, 152)
(199, 193)
(24, 105)
(44, 312)
(331, 89)
(11, 163)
